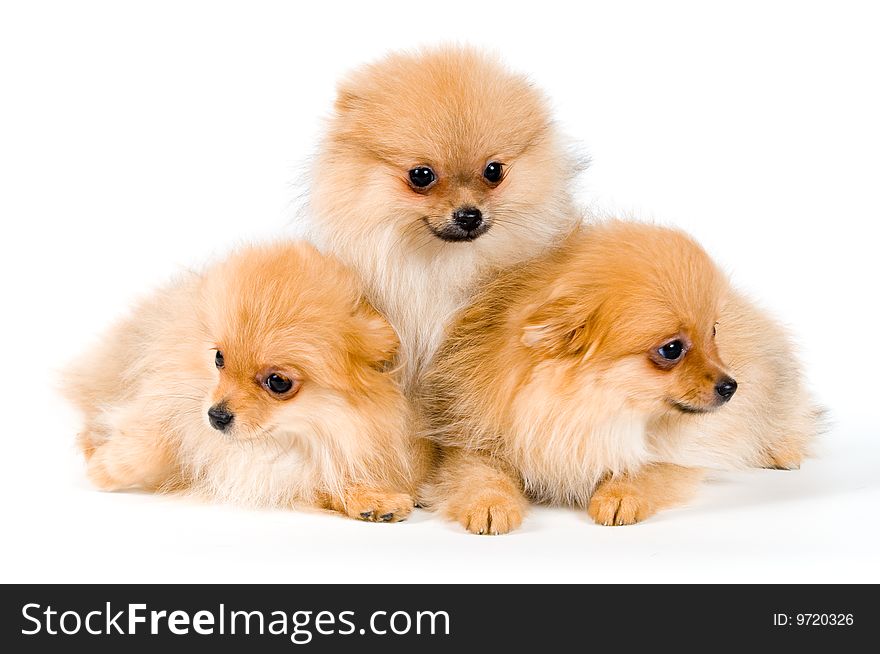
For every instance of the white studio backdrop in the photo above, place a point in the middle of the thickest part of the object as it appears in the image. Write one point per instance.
(139, 139)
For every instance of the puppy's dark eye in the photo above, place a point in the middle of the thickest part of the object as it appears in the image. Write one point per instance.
(422, 177)
(494, 172)
(672, 351)
(714, 330)
(278, 383)
(218, 359)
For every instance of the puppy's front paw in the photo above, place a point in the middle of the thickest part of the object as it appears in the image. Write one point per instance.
(491, 514)
(616, 504)
(378, 506)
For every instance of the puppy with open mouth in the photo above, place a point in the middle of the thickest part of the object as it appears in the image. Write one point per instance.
(260, 381)
(606, 374)
(438, 167)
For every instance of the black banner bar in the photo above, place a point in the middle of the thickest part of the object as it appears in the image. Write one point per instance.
(279, 618)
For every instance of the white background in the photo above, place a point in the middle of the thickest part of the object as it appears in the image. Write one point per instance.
(136, 140)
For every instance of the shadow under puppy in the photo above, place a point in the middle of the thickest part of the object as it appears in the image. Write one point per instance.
(602, 375)
(260, 382)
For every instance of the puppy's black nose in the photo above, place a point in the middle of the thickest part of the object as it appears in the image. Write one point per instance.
(725, 388)
(468, 218)
(220, 417)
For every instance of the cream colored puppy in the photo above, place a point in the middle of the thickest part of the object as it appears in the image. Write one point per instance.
(438, 167)
(259, 382)
(605, 374)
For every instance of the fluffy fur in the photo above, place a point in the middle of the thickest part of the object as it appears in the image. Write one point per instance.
(340, 438)
(552, 385)
(454, 110)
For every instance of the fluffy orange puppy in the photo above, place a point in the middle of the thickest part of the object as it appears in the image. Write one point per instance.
(439, 167)
(261, 382)
(606, 374)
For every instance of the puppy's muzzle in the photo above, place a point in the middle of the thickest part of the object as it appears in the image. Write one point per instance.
(220, 417)
(469, 219)
(725, 389)
(467, 224)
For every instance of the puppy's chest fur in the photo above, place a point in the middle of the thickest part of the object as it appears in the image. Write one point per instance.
(265, 471)
(419, 292)
(420, 308)
(257, 474)
(315, 452)
(563, 441)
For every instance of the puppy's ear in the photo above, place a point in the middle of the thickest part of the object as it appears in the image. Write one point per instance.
(564, 326)
(378, 340)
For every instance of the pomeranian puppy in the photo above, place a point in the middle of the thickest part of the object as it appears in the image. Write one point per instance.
(260, 382)
(599, 375)
(438, 167)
